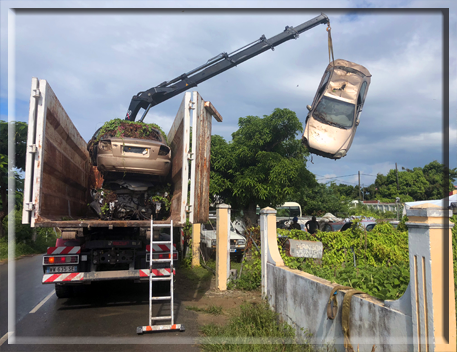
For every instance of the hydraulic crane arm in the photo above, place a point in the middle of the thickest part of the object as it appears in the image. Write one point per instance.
(213, 67)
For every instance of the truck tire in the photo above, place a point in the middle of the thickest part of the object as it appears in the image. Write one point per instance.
(63, 291)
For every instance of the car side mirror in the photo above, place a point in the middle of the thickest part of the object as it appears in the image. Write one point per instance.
(308, 107)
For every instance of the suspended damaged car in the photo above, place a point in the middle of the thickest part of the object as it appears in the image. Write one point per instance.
(335, 113)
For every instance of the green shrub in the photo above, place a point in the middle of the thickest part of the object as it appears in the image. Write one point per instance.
(256, 328)
(45, 237)
(251, 275)
(382, 265)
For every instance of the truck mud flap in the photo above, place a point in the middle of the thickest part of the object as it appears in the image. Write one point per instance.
(103, 275)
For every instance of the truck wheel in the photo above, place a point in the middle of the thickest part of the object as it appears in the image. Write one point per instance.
(63, 291)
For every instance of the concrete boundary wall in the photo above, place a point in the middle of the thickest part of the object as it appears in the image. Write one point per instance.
(423, 319)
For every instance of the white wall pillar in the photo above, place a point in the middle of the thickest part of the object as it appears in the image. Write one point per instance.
(269, 247)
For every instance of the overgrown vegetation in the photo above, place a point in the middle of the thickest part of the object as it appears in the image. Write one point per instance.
(125, 128)
(256, 328)
(45, 237)
(381, 259)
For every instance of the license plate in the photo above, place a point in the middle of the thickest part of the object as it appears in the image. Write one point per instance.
(232, 250)
(61, 269)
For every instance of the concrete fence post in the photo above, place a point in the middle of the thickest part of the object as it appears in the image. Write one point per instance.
(431, 278)
(269, 248)
(196, 245)
(222, 245)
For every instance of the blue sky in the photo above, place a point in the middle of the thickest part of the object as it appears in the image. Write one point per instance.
(96, 61)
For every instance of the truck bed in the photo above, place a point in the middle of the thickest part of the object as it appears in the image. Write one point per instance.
(95, 222)
(59, 174)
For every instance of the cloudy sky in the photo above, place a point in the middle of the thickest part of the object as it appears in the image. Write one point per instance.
(95, 61)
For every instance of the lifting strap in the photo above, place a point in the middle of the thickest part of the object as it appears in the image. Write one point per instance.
(330, 44)
(332, 309)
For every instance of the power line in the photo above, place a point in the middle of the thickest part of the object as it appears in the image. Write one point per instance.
(331, 178)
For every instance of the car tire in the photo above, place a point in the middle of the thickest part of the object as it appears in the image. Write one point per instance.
(63, 291)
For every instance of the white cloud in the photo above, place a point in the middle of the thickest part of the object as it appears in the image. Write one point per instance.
(95, 63)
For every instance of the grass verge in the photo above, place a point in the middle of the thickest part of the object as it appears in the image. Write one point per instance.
(214, 310)
(27, 247)
(255, 328)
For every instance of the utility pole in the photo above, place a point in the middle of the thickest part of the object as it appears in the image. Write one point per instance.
(360, 191)
(396, 171)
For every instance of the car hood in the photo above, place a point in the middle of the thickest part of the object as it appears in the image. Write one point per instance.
(327, 138)
(212, 234)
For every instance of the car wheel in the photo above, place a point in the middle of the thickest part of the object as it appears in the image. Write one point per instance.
(63, 291)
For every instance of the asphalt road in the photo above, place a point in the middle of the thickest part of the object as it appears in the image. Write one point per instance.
(103, 316)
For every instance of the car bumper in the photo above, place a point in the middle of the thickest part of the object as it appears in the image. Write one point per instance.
(110, 163)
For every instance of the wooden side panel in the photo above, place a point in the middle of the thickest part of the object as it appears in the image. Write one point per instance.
(178, 140)
(202, 154)
(61, 175)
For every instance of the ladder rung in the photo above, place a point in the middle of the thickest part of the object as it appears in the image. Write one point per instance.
(166, 278)
(159, 298)
(162, 260)
(161, 318)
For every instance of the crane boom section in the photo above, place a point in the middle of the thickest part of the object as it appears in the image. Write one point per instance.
(213, 67)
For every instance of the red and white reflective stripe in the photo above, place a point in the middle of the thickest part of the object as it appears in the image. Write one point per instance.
(47, 278)
(156, 272)
(64, 250)
(160, 247)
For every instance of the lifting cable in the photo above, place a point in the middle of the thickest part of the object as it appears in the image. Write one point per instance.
(330, 44)
(332, 309)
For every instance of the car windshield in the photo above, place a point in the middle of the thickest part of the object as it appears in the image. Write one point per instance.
(288, 211)
(335, 112)
(211, 225)
(336, 227)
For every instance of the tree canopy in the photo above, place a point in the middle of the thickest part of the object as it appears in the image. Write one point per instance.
(264, 164)
(20, 142)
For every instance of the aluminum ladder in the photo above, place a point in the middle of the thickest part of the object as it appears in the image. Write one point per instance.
(157, 275)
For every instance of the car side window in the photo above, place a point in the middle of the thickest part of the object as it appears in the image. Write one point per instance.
(322, 87)
(324, 83)
(361, 95)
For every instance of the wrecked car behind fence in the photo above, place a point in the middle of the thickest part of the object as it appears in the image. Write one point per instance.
(59, 178)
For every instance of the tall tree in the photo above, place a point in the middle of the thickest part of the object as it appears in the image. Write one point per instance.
(411, 185)
(322, 199)
(264, 164)
(434, 173)
(20, 142)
